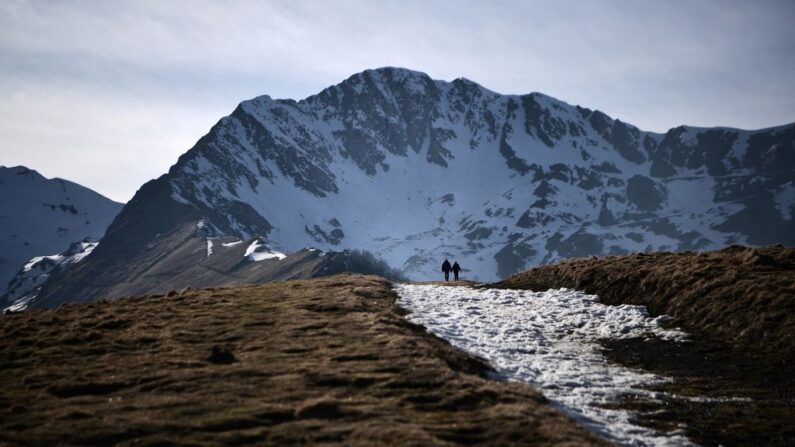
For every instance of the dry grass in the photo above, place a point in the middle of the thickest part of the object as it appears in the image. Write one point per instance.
(740, 305)
(745, 296)
(329, 360)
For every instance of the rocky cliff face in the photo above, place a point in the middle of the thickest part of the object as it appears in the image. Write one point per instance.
(414, 169)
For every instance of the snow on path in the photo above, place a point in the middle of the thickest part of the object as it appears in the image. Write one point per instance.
(549, 339)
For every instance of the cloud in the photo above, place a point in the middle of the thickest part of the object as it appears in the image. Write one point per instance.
(110, 144)
(86, 87)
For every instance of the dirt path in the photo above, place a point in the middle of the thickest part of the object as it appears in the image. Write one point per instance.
(330, 360)
(551, 341)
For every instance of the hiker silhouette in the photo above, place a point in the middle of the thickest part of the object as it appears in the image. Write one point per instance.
(446, 269)
(456, 269)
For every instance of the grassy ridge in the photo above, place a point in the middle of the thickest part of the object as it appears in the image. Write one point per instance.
(328, 360)
(735, 380)
(745, 296)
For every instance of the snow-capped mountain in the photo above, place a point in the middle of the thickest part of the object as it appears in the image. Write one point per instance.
(40, 216)
(415, 170)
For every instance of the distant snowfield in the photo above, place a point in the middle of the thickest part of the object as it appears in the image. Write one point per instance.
(549, 339)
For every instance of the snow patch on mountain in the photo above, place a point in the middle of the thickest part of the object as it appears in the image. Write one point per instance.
(24, 287)
(258, 251)
(209, 247)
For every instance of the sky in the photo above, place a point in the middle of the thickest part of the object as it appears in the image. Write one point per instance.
(109, 93)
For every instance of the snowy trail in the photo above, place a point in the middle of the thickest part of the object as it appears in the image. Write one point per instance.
(549, 339)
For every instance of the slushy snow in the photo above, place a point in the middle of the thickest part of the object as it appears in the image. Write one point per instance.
(548, 339)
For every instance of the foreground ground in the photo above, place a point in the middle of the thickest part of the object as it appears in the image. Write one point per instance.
(550, 340)
(318, 361)
(739, 306)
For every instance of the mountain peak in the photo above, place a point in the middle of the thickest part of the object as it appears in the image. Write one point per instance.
(20, 170)
(393, 74)
(388, 122)
(41, 217)
(386, 81)
(413, 169)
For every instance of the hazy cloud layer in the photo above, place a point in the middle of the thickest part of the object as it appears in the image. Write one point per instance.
(109, 94)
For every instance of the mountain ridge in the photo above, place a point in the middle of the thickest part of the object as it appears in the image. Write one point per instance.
(415, 169)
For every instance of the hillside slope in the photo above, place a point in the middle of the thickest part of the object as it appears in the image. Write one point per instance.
(323, 361)
(182, 259)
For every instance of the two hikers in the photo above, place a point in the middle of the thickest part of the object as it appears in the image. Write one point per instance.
(446, 268)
